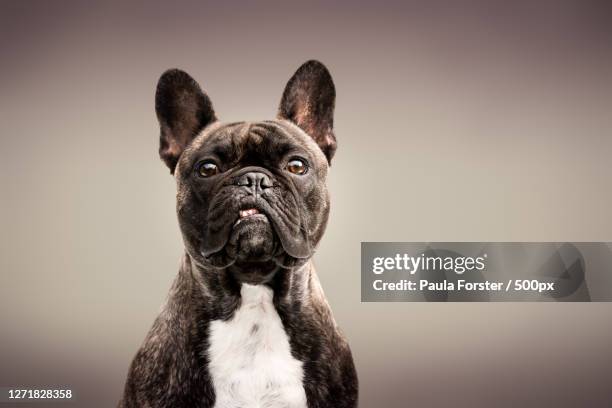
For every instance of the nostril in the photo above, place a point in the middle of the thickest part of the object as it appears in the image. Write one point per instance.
(265, 182)
(245, 180)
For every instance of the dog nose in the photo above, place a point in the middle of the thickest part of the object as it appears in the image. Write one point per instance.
(254, 180)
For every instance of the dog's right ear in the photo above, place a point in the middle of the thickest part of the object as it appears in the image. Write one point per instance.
(183, 110)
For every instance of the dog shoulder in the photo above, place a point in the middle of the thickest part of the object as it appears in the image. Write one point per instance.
(169, 369)
(162, 372)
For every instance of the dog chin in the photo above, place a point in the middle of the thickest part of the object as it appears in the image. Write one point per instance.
(253, 250)
(252, 245)
(252, 240)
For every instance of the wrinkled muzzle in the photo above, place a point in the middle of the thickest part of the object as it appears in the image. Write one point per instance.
(253, 217)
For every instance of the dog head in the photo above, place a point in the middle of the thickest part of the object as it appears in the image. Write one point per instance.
(252, 196)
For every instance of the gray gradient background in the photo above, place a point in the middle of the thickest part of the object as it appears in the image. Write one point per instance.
(482, 123)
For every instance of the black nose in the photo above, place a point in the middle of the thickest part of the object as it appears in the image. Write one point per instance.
(255, 181)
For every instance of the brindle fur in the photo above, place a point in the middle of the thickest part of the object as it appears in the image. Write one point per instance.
(170, 369)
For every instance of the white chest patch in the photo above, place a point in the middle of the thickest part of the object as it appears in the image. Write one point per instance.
(250, 358)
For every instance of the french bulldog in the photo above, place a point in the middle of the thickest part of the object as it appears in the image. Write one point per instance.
(246, 323)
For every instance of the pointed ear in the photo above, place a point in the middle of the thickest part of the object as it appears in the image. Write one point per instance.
(183, 110)
(308, 101)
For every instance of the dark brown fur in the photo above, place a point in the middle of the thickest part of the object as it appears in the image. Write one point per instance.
(171, 367)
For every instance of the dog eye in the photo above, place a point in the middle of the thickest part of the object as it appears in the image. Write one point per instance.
(297, 166)
(207, 168)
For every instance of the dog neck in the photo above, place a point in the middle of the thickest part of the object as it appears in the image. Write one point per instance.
(218, 291)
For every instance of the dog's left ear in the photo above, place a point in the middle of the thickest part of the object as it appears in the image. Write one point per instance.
(308, 101)
(183, 110)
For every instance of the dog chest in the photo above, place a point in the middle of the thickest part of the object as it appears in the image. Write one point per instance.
(250, 357)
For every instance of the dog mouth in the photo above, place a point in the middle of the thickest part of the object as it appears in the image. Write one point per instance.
(249, 214)
(251, 228)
